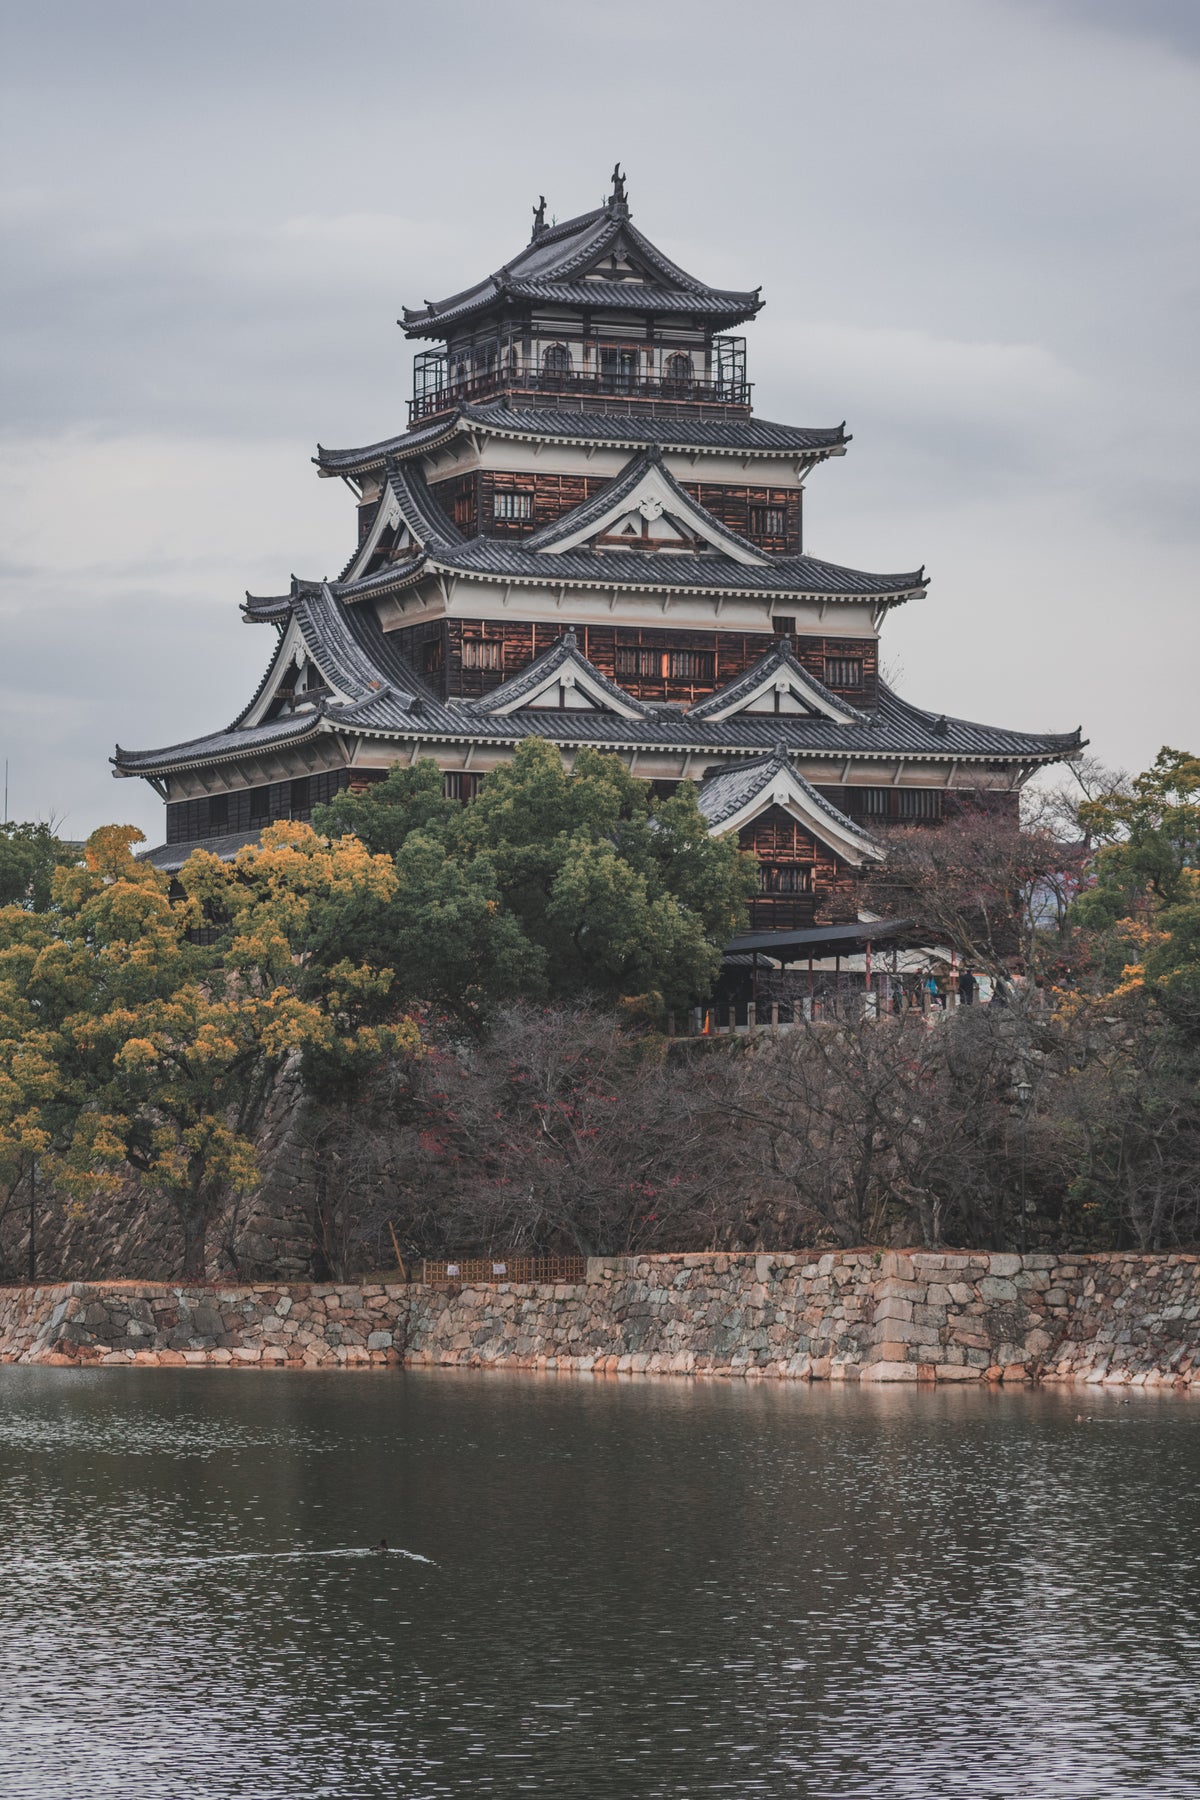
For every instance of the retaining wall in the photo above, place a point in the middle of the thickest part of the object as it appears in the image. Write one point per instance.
(855, 1315)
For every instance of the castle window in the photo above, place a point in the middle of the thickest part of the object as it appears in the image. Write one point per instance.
(557, 360)
(843, 671)
(464, 509)
(218, 813)
(301, 796)
(920, 803)
(433, 656)
(483, 653)
(512, 506)
(461, 784)
(767, 521)
(634, 662)
(679, 371)
(260, 805)
(785, 624)
(874, 802)
(782, 878)
(618, 369)
(691, 665)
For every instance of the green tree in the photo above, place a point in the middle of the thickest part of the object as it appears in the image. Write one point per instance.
(29, 855)
(576, 881)
(145, 1047)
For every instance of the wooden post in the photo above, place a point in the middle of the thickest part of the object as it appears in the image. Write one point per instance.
(751, 1016)
(774, 1015)
(671, 1023)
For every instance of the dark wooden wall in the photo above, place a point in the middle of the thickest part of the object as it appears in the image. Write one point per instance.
(450, 654)
(801, 882)
(470, 500)
(246, 809)
(737, 509)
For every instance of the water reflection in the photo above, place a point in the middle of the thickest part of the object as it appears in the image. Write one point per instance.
(657, 1589)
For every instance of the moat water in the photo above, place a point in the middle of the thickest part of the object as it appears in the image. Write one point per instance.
(599, 1591)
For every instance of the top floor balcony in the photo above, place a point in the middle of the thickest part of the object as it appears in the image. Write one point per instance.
(572, 377)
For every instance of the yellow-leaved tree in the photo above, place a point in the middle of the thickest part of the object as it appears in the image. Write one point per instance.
(144, 1028)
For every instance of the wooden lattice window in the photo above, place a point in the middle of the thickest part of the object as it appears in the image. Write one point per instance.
(874, 802)
(301, 795)
(556, 360)
(919, 803)
(767, 521)
(843, 671)
(218, 813)
(433, 656)
(483, 653)
(785, 624)
(512, 506)
(635, 662)
(691, 665)
(461, 784)
(783, 878)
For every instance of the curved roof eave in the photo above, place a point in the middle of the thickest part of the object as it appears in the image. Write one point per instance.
(744, 437)
(556, 577)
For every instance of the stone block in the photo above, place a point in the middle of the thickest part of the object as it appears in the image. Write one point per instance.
(893, 1306)
(1003, 1262)
(995, 1288)
(890, 1371)
(892, 1288)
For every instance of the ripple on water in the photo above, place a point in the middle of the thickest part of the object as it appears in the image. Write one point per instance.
(604, 1590)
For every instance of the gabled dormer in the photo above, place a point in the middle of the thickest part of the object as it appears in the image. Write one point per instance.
(644, 509)
(735, 797)
(407, 521)
(561, 680)
(777, 685)
(294, 681)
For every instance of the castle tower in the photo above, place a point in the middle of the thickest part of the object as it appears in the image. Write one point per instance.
(586, 534)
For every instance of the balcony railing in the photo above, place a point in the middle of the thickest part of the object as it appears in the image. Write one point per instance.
(603, 391)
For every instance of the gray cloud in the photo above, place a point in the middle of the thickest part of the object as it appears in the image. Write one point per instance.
(974, 221)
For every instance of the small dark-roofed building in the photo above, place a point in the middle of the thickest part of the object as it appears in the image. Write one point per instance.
(585, 534)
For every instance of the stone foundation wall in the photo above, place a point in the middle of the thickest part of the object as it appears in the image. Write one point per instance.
(855, 1315)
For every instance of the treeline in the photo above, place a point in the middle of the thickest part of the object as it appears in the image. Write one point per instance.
(475, 997)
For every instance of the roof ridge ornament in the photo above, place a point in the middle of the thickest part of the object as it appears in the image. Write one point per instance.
(617, 203)
(539, 219)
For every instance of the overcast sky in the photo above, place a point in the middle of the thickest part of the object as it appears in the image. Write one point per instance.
(975, 224)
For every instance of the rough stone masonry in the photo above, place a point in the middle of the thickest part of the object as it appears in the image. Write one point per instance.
(856, 1315)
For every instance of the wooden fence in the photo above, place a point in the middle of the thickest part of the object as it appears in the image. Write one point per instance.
(471, 1271)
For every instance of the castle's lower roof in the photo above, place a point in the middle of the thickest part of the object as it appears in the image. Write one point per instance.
(387, 699)
(680, 431)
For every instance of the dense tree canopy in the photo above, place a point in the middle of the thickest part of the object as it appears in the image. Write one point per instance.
(465, 991)
(552, 883)
(140, 1031)
(29, 855)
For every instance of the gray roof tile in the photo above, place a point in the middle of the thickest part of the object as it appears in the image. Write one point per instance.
(779, 656)
(546, 266)
(627, 430)
(616, 490)
(723, 795)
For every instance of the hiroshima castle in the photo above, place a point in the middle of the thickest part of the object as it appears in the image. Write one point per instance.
(585, 534)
